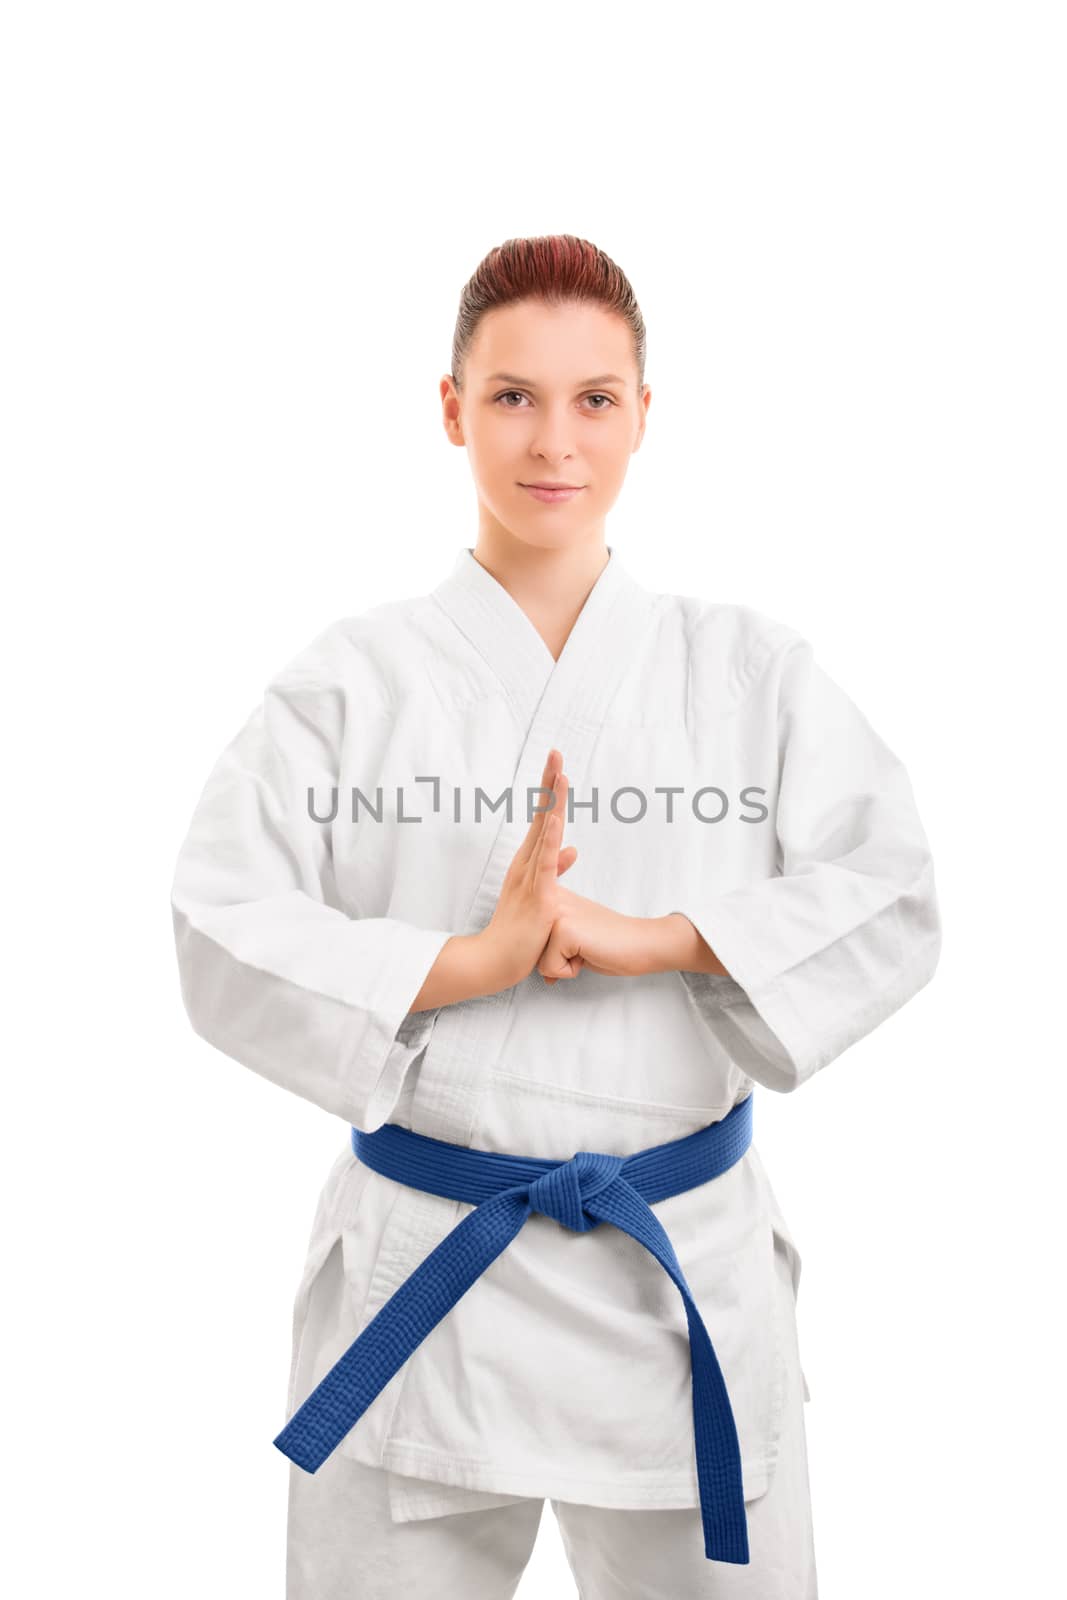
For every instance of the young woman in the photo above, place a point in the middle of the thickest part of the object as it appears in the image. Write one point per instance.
(531, 879)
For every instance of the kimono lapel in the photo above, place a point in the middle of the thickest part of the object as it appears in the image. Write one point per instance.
(559, 703)
(499, 629)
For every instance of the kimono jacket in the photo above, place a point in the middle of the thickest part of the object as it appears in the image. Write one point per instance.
(716, 770)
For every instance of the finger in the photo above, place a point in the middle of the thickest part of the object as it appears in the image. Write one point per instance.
(569, 967)
(533, 833)
(567, 858)
(546, 856)
(548, 962)
(547, 823)
(553, 963)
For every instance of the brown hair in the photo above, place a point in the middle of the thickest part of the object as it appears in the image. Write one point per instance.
(553, 267)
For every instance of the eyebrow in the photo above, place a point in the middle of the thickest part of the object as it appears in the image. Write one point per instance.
(528, 383)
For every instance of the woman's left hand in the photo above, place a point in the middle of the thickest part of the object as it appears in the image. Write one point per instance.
(587, 934)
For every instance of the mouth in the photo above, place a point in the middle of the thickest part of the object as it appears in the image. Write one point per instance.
(550, 492)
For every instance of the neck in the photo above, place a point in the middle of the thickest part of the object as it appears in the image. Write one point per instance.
(551, 585)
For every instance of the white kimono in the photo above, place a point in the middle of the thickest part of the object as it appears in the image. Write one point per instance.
(793, 845)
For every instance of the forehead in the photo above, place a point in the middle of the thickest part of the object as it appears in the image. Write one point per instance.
(552, 342)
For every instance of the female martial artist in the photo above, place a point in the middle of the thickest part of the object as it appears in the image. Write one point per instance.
(531, 879)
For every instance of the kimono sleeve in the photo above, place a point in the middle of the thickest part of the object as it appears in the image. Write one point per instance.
(849, 928)
(274, 972)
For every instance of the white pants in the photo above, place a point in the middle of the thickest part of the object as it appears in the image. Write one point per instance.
(344, 1545)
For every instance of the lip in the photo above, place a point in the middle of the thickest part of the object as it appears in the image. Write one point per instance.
(548, 495)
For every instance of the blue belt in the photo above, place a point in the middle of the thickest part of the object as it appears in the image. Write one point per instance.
(579, 1194)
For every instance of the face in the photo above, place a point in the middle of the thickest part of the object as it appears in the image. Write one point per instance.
(529, 414)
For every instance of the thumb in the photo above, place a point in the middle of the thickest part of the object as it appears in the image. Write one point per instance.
(567, 858)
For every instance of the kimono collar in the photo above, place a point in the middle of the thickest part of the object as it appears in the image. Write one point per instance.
(502, 633)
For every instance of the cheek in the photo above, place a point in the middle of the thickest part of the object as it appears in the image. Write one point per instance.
(496, 447)
(611, 456)
(492, 461)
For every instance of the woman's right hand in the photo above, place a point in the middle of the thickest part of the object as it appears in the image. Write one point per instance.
(528, 903)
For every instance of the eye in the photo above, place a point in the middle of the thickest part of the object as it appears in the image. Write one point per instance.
(506, 393)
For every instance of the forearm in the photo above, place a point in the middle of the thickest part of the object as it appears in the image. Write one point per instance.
(470, 965)
(466, 968)
(675, 945)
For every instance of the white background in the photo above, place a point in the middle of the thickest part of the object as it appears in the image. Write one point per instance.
(236, 236)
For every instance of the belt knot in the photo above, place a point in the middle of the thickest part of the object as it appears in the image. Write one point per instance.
(563, 1192)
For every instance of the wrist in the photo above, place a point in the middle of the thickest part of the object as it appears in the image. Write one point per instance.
(496, 971)
(677, 945)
